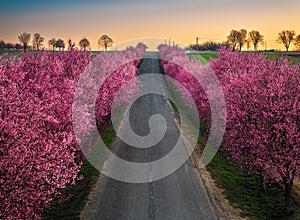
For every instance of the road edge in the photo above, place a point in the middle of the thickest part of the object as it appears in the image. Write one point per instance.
(215, 195)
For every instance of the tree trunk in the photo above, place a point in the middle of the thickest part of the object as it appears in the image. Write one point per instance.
(24, 47)
(287, 195)
(263, 183)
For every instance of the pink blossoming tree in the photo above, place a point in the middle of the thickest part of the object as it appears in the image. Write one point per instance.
(39, 153)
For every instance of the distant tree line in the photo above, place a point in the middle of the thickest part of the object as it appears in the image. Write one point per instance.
(38, 42)
(209, 45)
(239, 39)
(10, 46)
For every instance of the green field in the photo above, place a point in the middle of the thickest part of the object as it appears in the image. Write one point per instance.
(10, 53)
(204, 56)
(292, 56)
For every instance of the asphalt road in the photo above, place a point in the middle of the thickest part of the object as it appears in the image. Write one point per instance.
(180, 195)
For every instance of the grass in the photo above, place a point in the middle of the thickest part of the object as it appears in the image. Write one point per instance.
(204, 57)
(72, 200)
(246, 192)
(10, 53)
(290, 57)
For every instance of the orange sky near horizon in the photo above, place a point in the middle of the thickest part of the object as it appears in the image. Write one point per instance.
(179, 20)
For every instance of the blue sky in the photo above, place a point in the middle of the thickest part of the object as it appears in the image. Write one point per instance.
(18, 6)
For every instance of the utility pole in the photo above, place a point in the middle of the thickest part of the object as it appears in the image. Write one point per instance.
(265, 45)
(197, 43)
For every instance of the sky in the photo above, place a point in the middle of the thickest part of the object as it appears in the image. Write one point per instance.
(126, 20)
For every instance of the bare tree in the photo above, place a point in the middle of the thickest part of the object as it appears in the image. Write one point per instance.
(286, 38)
(71, 44)
(84, 43)
(233, 38)
(52, 43)
(24, 38)
(60, 44)
(248, 43)
(297, 42)
(105, 41)
(256, 38)
(2, 45)
(242, 38)
(37, 41)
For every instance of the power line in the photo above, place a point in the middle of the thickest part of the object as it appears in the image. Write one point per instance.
(204, 38)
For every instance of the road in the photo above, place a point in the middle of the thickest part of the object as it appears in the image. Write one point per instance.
(180, 195)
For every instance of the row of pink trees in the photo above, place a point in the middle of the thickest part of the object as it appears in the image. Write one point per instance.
(263, 102)
(177, 65)
(39, 154)
(263, 112)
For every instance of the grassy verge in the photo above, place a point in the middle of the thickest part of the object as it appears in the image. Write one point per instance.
(72, 200)
(246, 192)
(243, 190)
